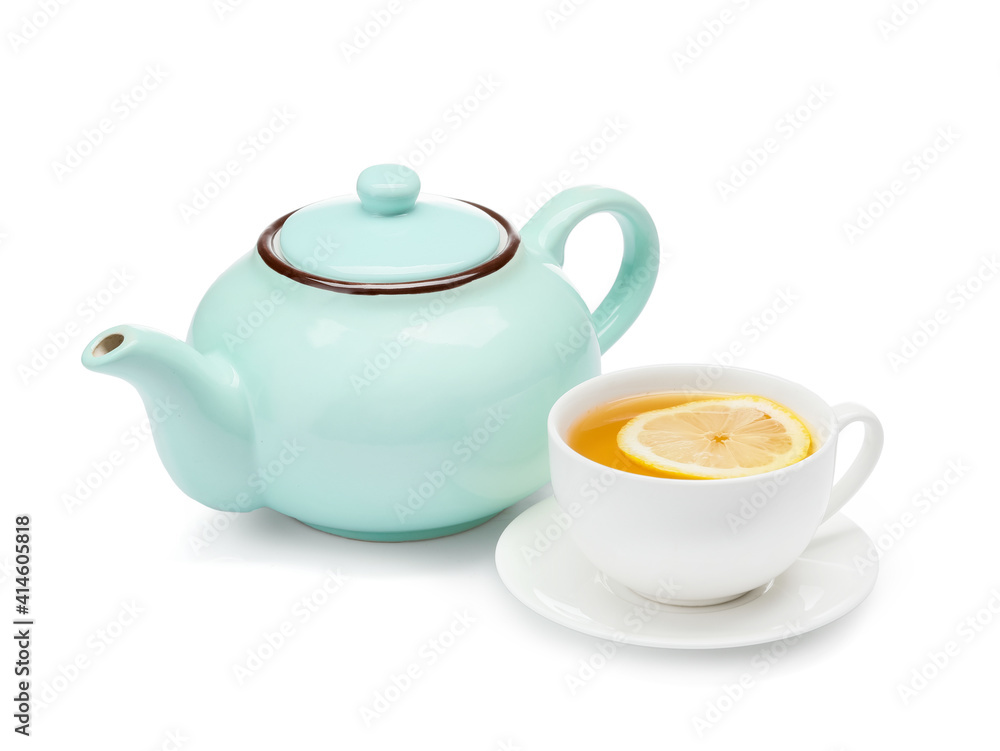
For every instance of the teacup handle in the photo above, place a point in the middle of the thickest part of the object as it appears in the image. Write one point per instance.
(548, 230)
(863, 464)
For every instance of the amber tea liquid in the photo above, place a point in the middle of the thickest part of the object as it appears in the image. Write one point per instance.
(595, 434)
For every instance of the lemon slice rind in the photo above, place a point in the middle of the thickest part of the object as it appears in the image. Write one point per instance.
(716, 438)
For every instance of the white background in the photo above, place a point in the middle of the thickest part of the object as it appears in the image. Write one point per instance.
(687, 126)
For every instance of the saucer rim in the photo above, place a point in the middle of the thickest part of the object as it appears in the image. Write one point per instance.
(603, 631)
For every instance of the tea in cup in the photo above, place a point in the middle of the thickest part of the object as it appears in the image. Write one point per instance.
(692, 435)
(693, 487)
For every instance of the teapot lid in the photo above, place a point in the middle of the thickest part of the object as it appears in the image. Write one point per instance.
(389, 236)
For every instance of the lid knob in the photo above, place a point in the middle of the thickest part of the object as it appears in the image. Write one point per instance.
(388, 189)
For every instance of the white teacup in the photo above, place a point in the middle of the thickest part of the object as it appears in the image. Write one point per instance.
(702, 542)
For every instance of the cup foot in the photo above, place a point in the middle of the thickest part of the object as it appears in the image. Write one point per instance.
(417, 534)
(682, 606)
(689, 603)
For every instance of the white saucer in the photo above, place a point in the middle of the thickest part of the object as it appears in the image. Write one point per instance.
(562, 585)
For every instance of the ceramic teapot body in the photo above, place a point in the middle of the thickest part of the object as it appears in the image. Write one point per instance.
(381, 410)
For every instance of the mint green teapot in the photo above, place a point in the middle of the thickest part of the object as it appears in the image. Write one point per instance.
(381, 366)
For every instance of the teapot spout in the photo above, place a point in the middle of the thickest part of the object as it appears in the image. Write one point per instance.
(197, 410)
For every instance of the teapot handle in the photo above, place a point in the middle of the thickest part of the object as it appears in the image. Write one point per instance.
(548, 230)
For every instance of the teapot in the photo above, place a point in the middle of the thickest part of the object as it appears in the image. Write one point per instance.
(381, 366)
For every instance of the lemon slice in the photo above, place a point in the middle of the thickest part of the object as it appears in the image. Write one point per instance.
(716, 438)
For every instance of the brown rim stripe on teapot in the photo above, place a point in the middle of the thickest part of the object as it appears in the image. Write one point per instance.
(271, 256)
